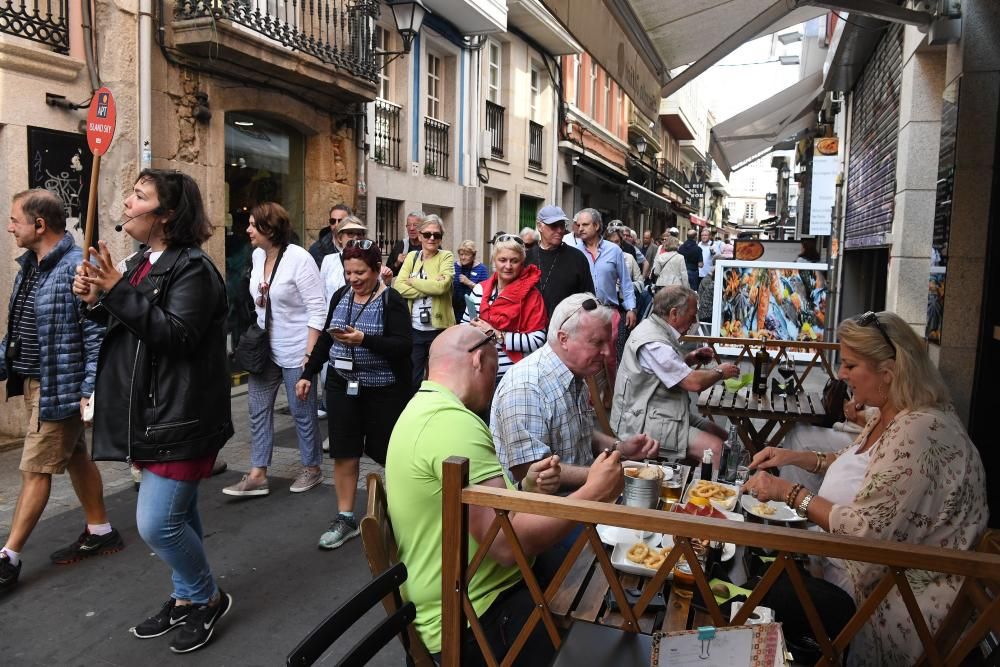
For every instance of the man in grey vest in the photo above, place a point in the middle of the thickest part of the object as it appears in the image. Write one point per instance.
(655, 376)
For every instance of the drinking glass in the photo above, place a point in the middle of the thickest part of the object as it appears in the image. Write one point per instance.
(786, 369)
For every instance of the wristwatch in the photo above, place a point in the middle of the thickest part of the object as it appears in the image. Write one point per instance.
(803, 508)
(718, 369)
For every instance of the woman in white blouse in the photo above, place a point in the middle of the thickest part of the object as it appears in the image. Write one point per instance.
(298, 311)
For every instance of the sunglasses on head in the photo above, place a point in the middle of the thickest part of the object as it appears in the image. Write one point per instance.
(491, 337)
(503, 238)
(364, 244)
(432, 235)
(589, 305)
(866, 319)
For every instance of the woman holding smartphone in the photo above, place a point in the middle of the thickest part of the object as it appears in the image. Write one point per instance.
(367, 343)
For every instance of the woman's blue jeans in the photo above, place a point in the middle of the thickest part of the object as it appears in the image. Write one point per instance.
(168, 521)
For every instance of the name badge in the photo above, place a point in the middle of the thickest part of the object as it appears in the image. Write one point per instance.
(353, 387)
(343, 364)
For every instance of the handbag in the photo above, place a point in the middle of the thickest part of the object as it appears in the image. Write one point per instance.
(834, 395)
(254, 349)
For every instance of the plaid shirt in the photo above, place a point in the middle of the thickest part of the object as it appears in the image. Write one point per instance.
(539, 409)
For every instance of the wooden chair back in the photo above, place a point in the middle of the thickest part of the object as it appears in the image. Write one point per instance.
(381, 551)
(340, 621)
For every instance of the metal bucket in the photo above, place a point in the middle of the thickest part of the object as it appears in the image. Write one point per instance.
(641, 492)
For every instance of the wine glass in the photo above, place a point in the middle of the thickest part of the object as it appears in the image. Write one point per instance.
(786, 369)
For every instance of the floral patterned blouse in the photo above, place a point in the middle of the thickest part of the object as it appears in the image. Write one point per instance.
(925, 484)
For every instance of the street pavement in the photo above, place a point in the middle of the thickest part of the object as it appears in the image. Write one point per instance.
(262, 550)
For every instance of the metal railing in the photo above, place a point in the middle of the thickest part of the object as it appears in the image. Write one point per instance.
(44, 21)
(386, 137)
(494, 125)
(337, 32)
(534, 145)
(436, 135)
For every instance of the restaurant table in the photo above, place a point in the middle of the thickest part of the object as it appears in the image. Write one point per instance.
(742, 407)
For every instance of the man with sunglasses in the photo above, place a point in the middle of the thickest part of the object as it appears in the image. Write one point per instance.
(326, 244)
(542, 405)
(564, 269)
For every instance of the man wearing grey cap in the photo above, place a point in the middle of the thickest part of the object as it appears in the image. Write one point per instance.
(565, 270)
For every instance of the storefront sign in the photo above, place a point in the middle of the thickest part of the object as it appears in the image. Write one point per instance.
(825, 167)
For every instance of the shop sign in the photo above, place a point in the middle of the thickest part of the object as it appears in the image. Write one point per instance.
(825, 167)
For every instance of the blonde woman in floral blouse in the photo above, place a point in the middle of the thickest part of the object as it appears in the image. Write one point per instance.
(913, 476)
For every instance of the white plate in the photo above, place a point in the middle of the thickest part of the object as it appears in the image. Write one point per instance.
(782, 512)
(621, 562)
(667, 472)
(727, 505)
(615, 535)
(728, 549)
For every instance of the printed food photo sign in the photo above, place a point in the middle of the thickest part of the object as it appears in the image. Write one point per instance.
(770, 301)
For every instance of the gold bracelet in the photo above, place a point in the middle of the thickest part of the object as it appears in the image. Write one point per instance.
(819, 462)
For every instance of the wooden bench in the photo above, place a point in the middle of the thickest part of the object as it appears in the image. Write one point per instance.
(978, 612)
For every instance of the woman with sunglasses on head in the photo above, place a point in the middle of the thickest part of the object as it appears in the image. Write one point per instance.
(425, 281)
(284, 277)
(162, 395)
(367, 344)
(912, 475)
(510, 307)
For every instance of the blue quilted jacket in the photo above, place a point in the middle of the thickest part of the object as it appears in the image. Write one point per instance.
(68, 345)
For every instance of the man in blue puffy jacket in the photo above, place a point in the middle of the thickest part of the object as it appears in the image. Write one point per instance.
(49, 357)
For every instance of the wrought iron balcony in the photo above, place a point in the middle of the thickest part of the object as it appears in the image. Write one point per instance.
(436, 134)
(386, 136)
(494, 125)
(44, 22)
(535, 147)
(338, 32)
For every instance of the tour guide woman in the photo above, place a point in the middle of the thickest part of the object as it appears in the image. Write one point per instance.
(913, 475)
(513, 309)
(425, 281)
(367, 344)
(162, 392)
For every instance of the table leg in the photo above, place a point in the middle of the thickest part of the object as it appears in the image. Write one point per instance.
(749, 436)
(780, 435)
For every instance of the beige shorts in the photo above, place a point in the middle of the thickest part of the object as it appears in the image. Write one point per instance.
(48, 445)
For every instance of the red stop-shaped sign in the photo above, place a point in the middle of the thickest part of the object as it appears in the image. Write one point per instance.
(101, 122)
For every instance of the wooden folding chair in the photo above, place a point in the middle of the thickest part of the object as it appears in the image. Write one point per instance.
(381, 552)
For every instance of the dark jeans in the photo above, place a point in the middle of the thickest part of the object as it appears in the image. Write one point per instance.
(421, 351)
(694, 279)
(362, 424)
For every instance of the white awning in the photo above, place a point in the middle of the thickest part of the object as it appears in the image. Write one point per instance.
(755, 131)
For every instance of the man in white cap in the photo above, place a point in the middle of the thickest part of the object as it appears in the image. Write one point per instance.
(565, 270)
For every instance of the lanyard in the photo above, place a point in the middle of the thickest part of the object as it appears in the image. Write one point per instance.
(350, 307)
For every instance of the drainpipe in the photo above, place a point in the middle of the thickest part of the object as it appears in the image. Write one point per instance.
(88, 45)
(360, 140)
(145, 82)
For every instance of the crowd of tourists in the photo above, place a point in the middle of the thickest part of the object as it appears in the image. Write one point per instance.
(416, 356)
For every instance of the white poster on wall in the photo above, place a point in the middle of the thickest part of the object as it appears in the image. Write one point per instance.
(825, 167)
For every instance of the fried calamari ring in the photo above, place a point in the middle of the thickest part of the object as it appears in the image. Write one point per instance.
(637, 553)
(654, 560)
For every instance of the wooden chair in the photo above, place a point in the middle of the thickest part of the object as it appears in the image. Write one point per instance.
(381, 552)
(326, 633)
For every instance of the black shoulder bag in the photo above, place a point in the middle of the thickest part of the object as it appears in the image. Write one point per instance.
(254, 349)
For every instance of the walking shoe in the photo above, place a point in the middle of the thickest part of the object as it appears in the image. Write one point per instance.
(306, 480)
(320, 413)
(8, 572)
(170, 616)
(326, 444)
(248, 487)
(342, 529)
(88, 545)
(200, 624)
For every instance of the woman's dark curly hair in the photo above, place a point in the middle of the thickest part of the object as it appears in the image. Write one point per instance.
(372, 257)
(272, 221)
(180, 198)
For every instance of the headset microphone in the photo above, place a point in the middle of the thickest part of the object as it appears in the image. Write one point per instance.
(121, 225)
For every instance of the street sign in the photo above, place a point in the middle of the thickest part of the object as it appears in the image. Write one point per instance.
(101, 122)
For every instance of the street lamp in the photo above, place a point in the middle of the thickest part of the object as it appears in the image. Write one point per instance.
(409, 16)
(785, 173)
(641, 145)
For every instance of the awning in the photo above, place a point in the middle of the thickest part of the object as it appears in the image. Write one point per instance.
(756, 130)
(698, 220)
(646, 197)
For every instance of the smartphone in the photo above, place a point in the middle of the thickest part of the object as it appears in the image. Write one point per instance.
(336, 330)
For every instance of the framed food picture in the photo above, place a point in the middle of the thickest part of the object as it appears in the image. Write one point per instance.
(770, 300)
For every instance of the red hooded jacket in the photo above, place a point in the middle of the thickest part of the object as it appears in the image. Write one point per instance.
(519, 308)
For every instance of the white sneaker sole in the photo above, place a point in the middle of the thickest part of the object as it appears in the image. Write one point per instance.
(341, 543)
(208, 637)
(242, 494)
(303, 489)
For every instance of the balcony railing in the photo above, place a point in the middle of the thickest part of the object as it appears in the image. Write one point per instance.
(337, 32)
(436, 135)
(44, 21)
(494, 125)
(534, 145)
(386, 136)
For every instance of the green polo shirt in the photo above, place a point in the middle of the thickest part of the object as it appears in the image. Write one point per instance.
(434, 426)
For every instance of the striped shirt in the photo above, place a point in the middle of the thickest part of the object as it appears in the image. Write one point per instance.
(525, 342)
(539, 409)
(28, 362)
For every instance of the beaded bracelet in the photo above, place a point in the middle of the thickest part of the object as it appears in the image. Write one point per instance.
(792, 495)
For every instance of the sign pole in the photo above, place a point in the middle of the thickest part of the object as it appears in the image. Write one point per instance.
(100, 132)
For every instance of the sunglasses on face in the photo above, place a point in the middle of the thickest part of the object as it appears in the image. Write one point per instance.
(491, 337)
(364, 244)
(503, 238)
(437, 236)
(334, 221)
(870, 318)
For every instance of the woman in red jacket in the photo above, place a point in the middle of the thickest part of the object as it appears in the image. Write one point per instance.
(513, 311)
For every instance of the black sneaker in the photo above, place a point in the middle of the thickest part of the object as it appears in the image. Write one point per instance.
(8, 572)
(170, 616)
(200, 623)
(89, 545)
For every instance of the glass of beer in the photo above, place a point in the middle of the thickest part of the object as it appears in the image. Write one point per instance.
(670, 489)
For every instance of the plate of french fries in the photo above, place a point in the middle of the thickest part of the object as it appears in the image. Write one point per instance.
(722, 496)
